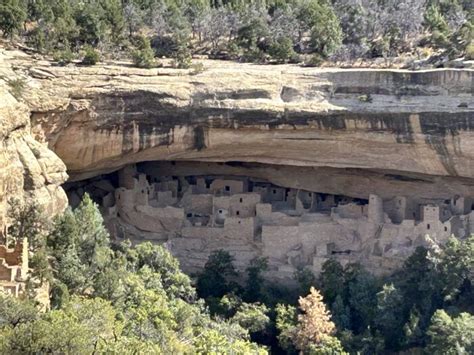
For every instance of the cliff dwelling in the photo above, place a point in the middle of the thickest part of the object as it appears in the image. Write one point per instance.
(14, 268)
(237, 177)
(227, 159)
(194, 214)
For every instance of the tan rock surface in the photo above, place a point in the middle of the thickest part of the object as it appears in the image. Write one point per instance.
(28, 169)
(354, 132)
(417, 125)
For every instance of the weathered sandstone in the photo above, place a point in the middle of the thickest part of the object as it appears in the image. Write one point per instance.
(388, 130)
(28, 169)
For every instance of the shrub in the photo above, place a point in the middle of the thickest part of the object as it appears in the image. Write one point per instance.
(295, 58)
(314, 332)
(91, 56)
(451, 335)
(143, 56)
(314, 61)
(214, 281)
(282, 49)
(285, 322)
(380, 47)
(37, 39)
(197, 68)
(17, 87)
(182, 56)
(64, 56)
(164, 46)
(305, 278)
(252, 316)
(143, 59)
(249, 35)
(233, 49)
(439, 39)
(324, 26)
(12, 16)
(254, 55)
(255, 283)
(434, 20)
(470, 52)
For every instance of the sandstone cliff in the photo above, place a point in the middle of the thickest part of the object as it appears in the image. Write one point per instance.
(351, 132)
(28, 169)
(347, 131)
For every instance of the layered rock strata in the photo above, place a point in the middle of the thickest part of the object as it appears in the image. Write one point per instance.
(386, 125)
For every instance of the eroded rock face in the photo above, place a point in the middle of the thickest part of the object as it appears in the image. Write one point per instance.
(28, 169)
(396, 129)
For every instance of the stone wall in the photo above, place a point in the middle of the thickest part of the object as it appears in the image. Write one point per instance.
(14, 268)
(12, 256)
(378, 233)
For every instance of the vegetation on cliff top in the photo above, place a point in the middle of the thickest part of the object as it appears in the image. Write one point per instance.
(249, 30)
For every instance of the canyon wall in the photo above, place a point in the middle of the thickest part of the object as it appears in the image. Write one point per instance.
(382, 131)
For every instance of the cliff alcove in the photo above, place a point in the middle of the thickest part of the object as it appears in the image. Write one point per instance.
(198, 207)
(389, 151)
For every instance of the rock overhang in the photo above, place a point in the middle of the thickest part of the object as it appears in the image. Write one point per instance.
(383, 122)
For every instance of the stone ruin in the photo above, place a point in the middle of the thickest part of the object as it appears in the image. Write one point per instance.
(194, 215)
(13, 268)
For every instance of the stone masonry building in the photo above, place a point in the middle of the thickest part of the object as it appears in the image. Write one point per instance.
(195, 215)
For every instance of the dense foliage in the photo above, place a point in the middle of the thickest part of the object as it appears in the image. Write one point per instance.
(428, 304)
(249, 30)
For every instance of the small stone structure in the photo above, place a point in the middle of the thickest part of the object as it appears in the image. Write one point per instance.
(195, 215)
(13, 268)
